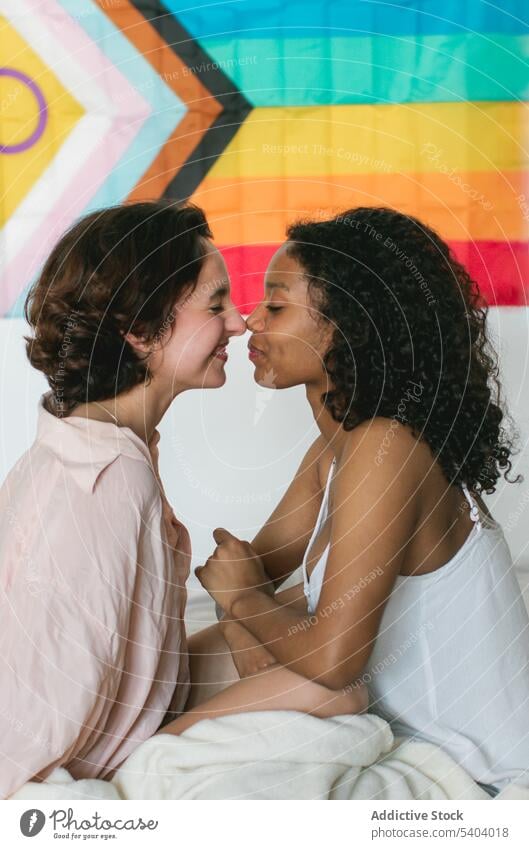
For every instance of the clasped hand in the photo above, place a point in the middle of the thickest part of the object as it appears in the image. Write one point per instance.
(232, 570)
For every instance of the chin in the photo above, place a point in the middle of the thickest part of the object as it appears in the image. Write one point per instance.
(269, 379)
(214, 381)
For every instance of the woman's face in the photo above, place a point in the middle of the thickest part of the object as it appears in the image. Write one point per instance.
(289, 338)
(192, 353)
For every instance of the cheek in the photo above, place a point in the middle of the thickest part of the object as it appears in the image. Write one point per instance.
(299, 351)
(297, 339)
(197, 337)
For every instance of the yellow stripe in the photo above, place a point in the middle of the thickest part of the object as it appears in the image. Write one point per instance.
(18, 118)
(335, 140)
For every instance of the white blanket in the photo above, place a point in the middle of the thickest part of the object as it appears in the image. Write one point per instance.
(277, 755)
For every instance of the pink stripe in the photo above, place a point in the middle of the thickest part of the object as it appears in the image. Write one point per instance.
(94, 170)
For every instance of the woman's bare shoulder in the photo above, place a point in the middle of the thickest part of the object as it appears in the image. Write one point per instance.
(387, 450)
(383, 439)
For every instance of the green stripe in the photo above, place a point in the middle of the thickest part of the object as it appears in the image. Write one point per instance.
(381, 69)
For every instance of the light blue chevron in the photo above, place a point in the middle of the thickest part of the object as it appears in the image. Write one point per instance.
(167, 108)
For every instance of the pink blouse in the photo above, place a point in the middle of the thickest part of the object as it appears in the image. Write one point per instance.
(93, 648)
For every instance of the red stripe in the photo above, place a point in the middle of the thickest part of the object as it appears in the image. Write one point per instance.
(501, 270)
(247, 265)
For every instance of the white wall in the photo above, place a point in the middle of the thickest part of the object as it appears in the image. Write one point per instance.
(226, 456)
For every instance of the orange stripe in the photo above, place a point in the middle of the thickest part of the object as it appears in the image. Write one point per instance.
(203, 108)
(473, 205)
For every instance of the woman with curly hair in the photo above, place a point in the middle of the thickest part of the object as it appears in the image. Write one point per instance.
(408, 583)
(132, 308)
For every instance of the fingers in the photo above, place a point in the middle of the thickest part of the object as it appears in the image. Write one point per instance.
(202, 576)
(154, 440)
(153, 449)
(221, 535)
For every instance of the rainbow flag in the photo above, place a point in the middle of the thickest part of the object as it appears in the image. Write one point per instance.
(262, 111)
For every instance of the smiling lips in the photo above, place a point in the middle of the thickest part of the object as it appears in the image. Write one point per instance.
(254, 353)
(220, 353)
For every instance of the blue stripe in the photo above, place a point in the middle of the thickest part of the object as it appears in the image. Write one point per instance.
(260, 18)
(380, 69)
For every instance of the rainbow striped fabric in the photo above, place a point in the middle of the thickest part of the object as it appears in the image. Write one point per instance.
(262, 111)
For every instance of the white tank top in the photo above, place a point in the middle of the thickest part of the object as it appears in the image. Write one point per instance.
(312, 587)
(450, 664)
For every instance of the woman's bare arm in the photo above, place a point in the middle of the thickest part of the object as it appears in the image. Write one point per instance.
(281, 544)
(248, 653)
(375, 514)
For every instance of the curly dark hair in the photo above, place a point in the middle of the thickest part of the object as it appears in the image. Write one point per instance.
(405, 311)
(117, 270)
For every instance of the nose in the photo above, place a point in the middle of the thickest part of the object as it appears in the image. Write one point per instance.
(255, 321)
(235, 324)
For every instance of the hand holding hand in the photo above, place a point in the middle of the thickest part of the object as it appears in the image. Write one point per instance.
(232, 570)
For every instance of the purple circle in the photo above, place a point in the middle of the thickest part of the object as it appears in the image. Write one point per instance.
(43, 112)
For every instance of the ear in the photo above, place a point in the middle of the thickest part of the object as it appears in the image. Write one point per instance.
(137, 342)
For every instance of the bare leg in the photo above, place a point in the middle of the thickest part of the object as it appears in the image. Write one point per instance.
(275, 688)
(210, 658)
(211, 665)
(217, 689)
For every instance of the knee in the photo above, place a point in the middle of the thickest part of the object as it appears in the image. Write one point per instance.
(357, 698)
(351, 699)
(207, 641)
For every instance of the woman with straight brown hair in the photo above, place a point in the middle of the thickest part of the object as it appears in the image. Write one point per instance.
(132, 308)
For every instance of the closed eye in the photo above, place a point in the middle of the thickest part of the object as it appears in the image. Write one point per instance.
(217, 309)
(273, 309)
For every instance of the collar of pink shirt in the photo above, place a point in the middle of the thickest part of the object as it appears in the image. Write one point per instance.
(85, 446)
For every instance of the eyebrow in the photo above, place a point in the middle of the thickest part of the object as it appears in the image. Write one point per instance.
(277, 286)
(222, 290)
